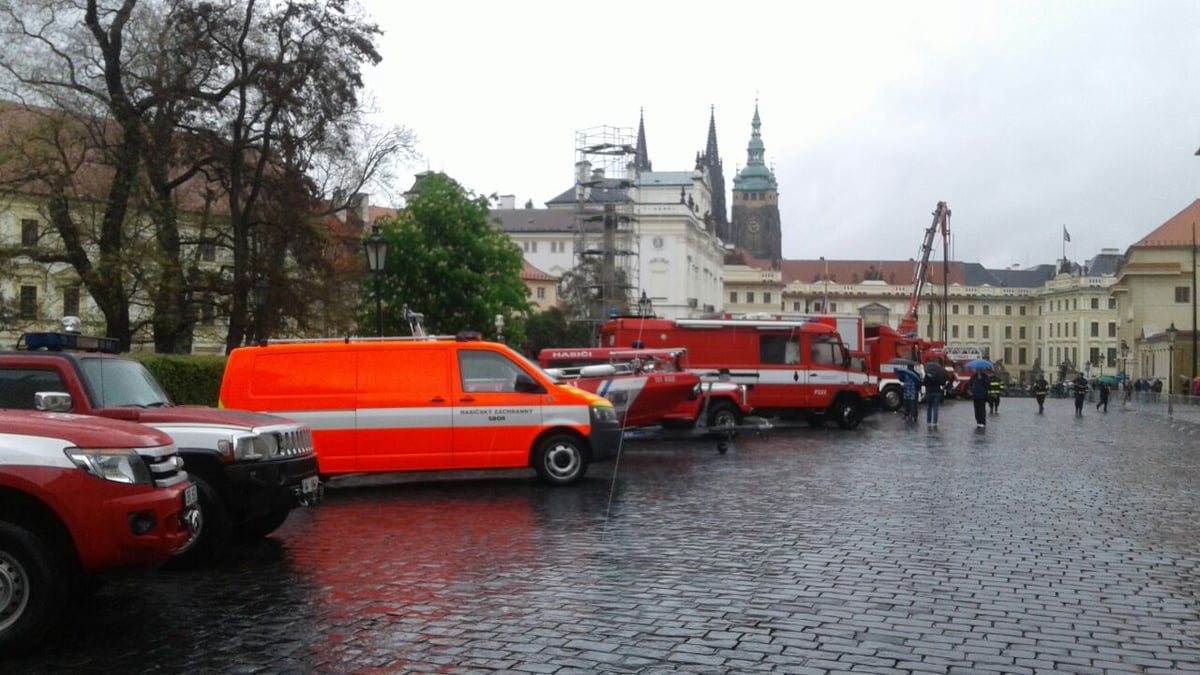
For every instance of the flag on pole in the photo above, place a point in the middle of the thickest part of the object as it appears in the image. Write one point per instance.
(1066, 235)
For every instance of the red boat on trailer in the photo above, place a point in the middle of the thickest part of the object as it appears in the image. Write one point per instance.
(649, 386)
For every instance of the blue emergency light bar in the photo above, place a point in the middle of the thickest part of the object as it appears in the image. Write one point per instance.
(57, 342)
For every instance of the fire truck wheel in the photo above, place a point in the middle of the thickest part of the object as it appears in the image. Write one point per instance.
(846, 412)
(33, 589)
(560, 459)
(892, 396)
(722, 414)
(213, 532)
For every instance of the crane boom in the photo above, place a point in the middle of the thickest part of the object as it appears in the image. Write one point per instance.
(941, 220)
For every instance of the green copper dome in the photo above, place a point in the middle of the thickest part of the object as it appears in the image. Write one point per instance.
(755, 176)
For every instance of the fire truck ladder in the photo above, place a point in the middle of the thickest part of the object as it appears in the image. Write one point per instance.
(941, 220)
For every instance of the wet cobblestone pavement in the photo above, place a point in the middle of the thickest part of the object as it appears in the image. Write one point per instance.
(1045, 544)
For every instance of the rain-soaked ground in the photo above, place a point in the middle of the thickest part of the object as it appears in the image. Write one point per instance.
(1044, 544)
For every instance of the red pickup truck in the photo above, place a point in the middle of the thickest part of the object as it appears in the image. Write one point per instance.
(81, 497)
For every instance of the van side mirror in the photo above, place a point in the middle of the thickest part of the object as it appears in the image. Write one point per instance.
(525, 384)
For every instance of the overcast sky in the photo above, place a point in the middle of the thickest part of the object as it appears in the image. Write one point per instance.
(1024, 117)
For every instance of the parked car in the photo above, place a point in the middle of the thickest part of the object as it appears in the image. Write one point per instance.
(250, 470)
(80, 498)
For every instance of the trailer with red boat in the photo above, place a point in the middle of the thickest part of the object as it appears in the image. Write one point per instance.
(651, 386)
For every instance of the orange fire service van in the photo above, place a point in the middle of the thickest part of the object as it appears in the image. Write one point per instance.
(424, 403)
(792, 368)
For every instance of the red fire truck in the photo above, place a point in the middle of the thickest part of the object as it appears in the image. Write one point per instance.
(797, 368)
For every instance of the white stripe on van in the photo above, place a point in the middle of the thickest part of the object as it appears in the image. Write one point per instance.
(418, 418)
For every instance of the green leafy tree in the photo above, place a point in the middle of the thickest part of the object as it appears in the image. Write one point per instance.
(552, 328)
(447, 261)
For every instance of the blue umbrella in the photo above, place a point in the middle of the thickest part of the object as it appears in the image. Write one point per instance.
(978, 364)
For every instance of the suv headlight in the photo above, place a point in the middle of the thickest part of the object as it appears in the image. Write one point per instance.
(120, 465)
(249, 447)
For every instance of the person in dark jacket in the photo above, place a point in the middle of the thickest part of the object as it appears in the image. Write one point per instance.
(1081, 391)
(1040, 388)
(978, 385)
(1103, 396)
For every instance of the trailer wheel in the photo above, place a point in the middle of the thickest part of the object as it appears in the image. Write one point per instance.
(33, 589)
(891, 397)
(560, 459)
(723, 414)
(846, 412)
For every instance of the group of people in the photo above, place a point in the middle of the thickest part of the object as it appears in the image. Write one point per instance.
(934, 383)
(985, 389)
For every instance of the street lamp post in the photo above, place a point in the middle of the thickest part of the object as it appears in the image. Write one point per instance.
(376, 248)
(499, 323)
(1125, 384)
(1172, 331)
(260, 309)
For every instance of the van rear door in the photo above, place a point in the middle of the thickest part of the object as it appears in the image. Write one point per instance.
(496, 415)
(405, 400)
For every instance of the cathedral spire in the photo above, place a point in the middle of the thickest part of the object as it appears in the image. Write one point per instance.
(756, 175)
(711, 148)
(642, 161)
(711, 158)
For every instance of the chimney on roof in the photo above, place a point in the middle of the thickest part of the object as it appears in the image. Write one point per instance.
(338, 202)
(361, 202)
(508, 202)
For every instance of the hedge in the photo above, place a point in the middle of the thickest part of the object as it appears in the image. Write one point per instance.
(187, 379)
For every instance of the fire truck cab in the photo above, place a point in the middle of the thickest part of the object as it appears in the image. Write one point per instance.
(791, 368)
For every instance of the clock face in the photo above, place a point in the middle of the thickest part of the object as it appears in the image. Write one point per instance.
(753, 226)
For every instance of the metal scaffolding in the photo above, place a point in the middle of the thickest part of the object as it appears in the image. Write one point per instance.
(606, 231)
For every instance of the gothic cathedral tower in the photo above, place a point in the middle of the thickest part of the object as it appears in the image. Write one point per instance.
(711, 159)
(755, 225)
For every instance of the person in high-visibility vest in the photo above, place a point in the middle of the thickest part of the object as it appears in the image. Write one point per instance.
(1040, 388)
(995, 391)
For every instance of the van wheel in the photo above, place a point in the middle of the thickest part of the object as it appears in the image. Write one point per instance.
(211, 530)
(560, 460)
(846, 412)
(722, 414)
(33, 589)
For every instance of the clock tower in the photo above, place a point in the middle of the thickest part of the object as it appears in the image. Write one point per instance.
(755, 224)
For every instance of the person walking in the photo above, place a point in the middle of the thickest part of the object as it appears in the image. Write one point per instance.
(995, 391)
(1040, 388)
(935, 388)
(1103, 396)
(978, 386)
(1081, 391)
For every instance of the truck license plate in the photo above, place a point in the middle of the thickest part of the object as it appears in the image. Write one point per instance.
(190, 495)
(309, 485)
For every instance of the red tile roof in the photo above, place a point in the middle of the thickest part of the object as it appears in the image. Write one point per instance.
(1179, 230)
(897, 272)
(531, 273)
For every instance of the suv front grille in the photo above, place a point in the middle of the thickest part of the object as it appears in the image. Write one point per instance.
(166, 466)
(293, 441)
